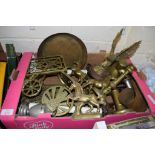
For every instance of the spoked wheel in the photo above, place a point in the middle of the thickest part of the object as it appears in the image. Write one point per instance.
(57, 99)
(32, 88)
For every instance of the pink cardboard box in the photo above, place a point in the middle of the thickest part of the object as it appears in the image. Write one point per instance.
(10, 119)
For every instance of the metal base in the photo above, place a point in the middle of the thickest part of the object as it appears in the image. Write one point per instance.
(87, 116)
(123, 111)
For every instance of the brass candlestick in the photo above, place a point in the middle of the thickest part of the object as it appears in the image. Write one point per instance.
(119, 107)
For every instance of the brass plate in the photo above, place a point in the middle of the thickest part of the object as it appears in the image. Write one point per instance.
(67, 45)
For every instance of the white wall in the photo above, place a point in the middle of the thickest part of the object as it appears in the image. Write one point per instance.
(146, 52)
(29, 38)
(95, 38)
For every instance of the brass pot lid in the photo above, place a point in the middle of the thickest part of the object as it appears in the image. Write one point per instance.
(67, 45)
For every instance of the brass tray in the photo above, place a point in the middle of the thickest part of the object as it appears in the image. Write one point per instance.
(67, 45)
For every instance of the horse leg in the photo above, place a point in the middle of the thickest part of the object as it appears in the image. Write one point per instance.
(91, 108)
(78, 108)
(95, 103)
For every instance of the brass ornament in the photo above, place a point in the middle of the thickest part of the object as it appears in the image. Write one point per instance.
(57, 100)
(69, 46)
(120, 109)
(48, 65)
(115, 42)
(97, 71)
(100, 71)
(114, 83)
(99, 68)
(92, 101)
(38, 70)
(32, 87)
(81, 99)
(81, 76)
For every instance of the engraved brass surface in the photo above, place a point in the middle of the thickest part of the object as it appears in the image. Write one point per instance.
(47, 65)
(57, 100)
(67, 45)
(38, 70)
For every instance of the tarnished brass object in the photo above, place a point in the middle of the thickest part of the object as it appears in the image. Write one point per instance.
(57, 100)
(86, 116)
(96, 83)
(115, 42)
(109, 84)
(119, 107)
(102, 70)
(81, 99)
(46, 65)
(81, 76)
(92, 101)
(32, 87)
(38, 70)
(114, 83)
(99, 69)
(105, 89)
(67, 45)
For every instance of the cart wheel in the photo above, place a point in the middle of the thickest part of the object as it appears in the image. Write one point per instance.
(57, 100)
(32, 88)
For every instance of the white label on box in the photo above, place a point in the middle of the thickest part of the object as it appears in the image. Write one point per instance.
(151, 98)
(100, 125)
(7, 112)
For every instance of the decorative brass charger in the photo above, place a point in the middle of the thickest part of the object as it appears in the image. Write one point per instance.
(67, 45)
